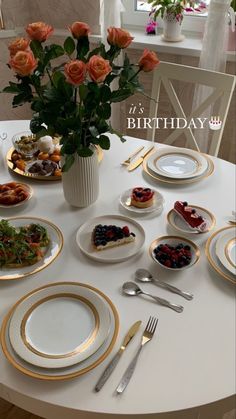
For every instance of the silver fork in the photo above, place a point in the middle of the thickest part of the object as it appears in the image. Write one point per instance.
(147, 336)
(128, 160)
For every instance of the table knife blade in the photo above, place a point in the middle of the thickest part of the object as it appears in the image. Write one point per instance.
(139, 161)
(112, 364)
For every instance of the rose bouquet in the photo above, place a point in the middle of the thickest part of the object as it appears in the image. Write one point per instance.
(72, 98)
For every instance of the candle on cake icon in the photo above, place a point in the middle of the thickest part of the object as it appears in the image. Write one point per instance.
(215, 123)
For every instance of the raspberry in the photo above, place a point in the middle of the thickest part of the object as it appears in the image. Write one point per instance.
(125, 230)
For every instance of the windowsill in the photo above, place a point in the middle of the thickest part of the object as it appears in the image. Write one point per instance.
(190, 46)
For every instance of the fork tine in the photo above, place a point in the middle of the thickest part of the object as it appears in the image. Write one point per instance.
(154, 325)
(148, 324)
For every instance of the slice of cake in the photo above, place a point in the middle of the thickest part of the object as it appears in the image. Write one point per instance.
(105, 236)
(190, 215)
(142, 197)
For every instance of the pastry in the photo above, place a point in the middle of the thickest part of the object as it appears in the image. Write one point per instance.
(190, 215)
(13, 192)
(105, 236)
(142, 197)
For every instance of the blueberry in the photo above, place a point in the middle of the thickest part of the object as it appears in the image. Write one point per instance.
(187, 247)
(132, 234)
(174, 265)
(103, 242)
(193, 211)
(185, 204)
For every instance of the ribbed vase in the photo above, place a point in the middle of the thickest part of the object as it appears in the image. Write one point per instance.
(81, 182)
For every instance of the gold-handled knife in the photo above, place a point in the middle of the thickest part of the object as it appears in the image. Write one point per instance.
(139, 161)
(111, 366)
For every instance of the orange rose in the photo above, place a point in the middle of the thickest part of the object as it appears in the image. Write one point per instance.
(79, 29)
(75, 72)
(119, 37)
(19, 44)
(148, 60)
(98, 68)
(39, 31)
(24, 63)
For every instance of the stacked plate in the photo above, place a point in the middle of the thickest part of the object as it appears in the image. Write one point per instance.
(178, 165)
(60, 331)
(221, 252)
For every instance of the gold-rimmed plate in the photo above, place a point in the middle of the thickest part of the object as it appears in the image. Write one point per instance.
(226, 250)
(207, 173)
(51, 252)
(12, 167)
(177, 163)
(175, 241)
(74, 370)
(212, 257)
(57, 328)
(176, 221)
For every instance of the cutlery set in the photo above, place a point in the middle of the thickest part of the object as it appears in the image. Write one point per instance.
(146, 337)
(133, 165)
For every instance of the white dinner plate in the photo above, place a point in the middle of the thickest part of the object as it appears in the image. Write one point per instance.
(59, 374)
(56, 328)
(158, 200)
(113, 254)
(176, 221)
(177, 163)
(226, 250)
(212, 257)
(53, 249)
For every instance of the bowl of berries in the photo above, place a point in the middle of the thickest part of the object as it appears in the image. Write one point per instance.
(174, 253)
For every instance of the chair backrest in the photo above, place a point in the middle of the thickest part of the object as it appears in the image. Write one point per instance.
(221, 89)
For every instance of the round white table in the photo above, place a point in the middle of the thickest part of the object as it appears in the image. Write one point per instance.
(191, 359)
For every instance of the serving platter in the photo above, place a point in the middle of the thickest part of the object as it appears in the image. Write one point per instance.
(71, 371)
(52, 252)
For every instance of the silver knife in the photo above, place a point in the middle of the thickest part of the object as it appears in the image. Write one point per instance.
(111, 366)
(139, 161)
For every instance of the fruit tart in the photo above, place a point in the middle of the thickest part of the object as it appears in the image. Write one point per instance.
(105, 236)
(142, 197)
(190, 216)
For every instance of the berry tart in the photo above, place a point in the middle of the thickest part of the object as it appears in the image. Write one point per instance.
(190, 215)
(105, 236)
(142, 197)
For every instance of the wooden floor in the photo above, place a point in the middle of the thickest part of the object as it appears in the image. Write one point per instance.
(8, 411)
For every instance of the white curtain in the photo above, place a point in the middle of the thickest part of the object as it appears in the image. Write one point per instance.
(110, 15)
(213, 57)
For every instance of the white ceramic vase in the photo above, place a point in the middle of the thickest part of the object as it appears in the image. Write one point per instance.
(172, 28)
(81, 182)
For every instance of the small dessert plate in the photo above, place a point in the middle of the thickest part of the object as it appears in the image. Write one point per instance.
(29, 191)
(176, 221)
(175, 241)
(158, 201)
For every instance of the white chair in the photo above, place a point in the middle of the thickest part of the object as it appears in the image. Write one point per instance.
(221, 89)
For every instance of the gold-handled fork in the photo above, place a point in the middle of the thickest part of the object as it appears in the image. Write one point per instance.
(128, 160)
(147, 336)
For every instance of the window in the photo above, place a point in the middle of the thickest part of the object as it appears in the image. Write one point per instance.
(136, 15)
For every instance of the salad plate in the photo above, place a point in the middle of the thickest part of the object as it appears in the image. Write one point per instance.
(180, 163)
(35, 258)
(226, 250)
(176, 221)
(60, 326)
(112, 254)
(60, 374)
(212, 257)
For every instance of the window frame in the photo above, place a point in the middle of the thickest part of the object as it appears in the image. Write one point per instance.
(133, 18)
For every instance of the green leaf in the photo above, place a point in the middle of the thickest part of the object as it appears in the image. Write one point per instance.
(105, 93)
(37, 48)
(69, 160)
(104, 142)
(83, 91)
(13, 88)
(69, 45)
(57, 75)
(104, 111)
(82, 48)
(85, 152)
(120, 95)
(37, 105)
(36, 124)
(52, 51)
(93, 131)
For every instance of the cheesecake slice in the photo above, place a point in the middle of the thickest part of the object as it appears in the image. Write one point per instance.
(190, 215)
(105, 236)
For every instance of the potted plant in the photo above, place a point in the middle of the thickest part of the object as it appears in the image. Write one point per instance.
(171, 11)
(73, 98)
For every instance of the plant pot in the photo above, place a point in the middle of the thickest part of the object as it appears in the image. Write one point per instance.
(81, 182)
(172, 28)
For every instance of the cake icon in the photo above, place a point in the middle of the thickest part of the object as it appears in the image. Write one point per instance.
(215, 123)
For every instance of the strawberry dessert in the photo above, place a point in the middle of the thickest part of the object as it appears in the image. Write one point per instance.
(142, 197)
(174, 257)
(105, 236)
(190, 215)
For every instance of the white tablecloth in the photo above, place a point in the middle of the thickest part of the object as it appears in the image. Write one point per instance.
(191, 360)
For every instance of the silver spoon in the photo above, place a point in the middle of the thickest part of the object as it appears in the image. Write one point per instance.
(131, 288)
(143, 275)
